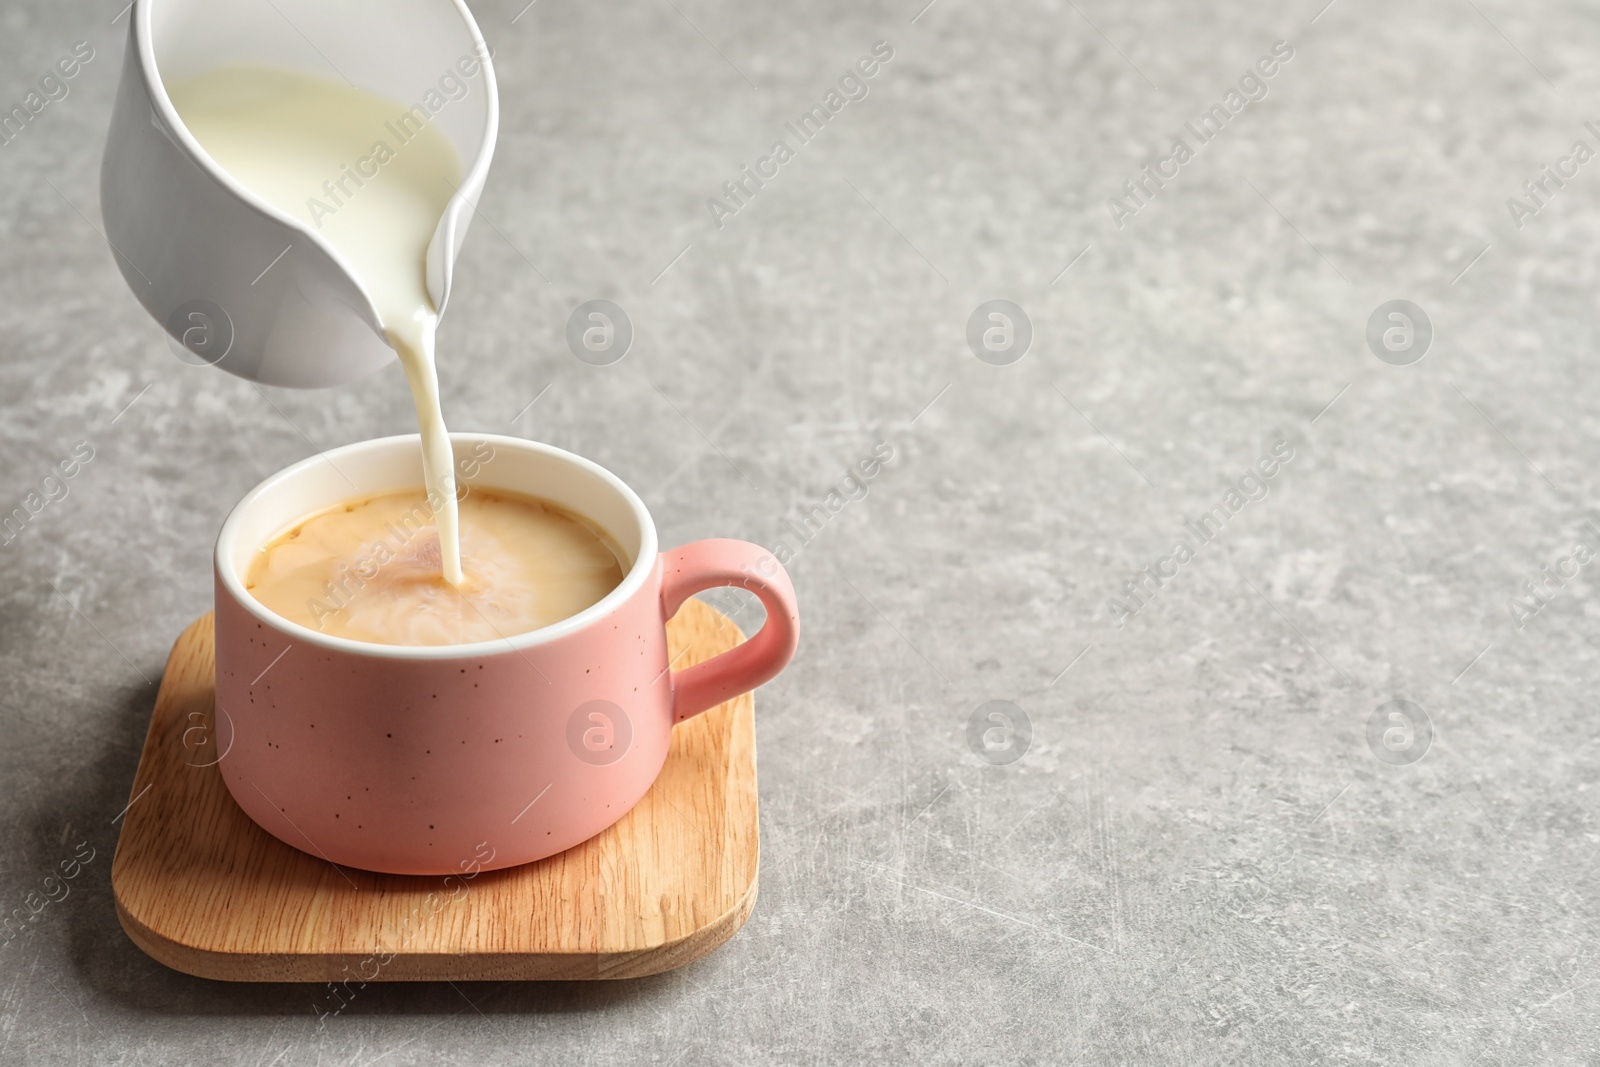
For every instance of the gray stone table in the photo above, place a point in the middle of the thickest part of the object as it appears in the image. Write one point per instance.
(1217, 846)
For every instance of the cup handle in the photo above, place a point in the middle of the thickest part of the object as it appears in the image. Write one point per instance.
(722, 561)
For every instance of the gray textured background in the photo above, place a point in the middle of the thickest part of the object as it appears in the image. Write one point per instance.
(1199, 859)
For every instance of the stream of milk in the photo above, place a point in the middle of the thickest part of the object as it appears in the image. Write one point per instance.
(332, 157)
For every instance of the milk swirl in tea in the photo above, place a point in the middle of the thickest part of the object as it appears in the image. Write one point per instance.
(368, 570)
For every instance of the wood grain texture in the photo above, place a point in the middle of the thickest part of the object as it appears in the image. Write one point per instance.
(204, 890)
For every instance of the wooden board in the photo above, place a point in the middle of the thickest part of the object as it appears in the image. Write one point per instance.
(204, 890)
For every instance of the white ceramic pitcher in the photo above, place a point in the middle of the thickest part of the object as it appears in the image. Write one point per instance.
(234, 280)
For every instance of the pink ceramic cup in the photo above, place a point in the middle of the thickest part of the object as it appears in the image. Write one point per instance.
(423, 760)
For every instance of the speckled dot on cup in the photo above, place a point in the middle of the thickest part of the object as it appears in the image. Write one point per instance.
(1399, 732)
(999, 732)
(599, 332)
(199, 332)
(1399, 333)
(999, 332)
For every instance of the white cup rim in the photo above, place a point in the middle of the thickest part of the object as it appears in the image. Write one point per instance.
(639, 572)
